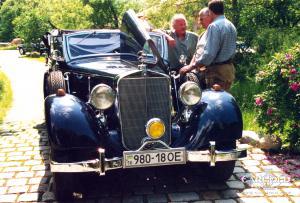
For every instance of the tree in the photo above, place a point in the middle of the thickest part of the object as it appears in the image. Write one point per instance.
(25, 23)
(8, 12)
(68, 14)
(160, 12)
(106, 13)
(35, 15)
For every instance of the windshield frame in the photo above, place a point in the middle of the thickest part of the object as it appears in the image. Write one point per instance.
(89, 32)
(68, 56)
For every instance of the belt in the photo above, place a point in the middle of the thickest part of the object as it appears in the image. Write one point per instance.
(229, 61)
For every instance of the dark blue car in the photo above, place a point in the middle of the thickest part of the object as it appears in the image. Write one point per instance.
(112, 103)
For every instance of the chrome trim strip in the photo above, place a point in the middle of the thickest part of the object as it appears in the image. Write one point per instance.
(205, 156)
(84, 166)
(102, 164)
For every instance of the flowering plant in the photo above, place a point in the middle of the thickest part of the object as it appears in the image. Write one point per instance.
(278, 104)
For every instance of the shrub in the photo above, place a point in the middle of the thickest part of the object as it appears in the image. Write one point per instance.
(278, 104)
(5, 95)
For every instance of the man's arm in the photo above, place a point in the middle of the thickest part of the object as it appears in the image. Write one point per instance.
(171, 41)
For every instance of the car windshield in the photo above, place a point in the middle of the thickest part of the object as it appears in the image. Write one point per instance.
(95, 43)
(158, 43)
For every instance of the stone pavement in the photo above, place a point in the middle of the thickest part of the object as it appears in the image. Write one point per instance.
(25, 176)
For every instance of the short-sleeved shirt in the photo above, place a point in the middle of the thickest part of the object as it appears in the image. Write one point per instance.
(184, 49)
(218, 43)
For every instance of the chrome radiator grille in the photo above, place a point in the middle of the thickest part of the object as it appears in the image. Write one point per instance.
(141, 99)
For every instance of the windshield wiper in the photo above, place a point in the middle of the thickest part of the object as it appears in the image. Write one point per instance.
(92, 33)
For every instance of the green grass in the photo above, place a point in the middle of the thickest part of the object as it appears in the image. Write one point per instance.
(9, 47)
(249, 121)
(35, 57)
(243, 92)
(5, 95)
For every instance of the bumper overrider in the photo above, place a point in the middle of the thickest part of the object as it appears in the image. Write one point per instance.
(148, 158)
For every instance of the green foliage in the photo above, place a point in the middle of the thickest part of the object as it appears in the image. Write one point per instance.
(5, 95)
(8, 47)
(278, 105)
(243, 92)
(160, 12)
(25, 23)
(8, 12)
(29, 19)
(267, 26)
(107, 13)
(68, 14)
(249, 120)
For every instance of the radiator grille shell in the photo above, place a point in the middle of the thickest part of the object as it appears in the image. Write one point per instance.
(141, 99)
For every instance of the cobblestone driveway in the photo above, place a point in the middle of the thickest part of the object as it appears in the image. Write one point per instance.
(25, 176)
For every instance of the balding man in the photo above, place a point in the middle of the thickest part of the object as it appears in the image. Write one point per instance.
(181, 43)
(204, 19)
(216, 48)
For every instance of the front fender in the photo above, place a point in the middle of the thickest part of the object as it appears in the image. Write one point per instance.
(218, 118)
(71, 123)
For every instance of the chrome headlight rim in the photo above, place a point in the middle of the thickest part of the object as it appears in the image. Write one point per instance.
(152, 121)
(182, 96)
(106, 90)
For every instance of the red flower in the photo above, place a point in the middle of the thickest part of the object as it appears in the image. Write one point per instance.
(259, 101)
(288, 57)
(269, 111)
(295, 86)
(293, 71)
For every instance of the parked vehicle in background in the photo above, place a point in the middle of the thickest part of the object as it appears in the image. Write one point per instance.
(112, 103)
(32, 47)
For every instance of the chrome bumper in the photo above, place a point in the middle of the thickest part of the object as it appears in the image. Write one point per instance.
(103, 164)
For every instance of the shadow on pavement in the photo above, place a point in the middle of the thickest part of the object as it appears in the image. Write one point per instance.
(44, 172)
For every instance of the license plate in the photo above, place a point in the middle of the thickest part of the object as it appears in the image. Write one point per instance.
(154, 157)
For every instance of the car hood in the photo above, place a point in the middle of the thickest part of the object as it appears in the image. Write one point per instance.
(103, 67)
(133, 27)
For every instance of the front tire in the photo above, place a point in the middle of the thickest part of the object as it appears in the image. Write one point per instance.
(22, 51)
(54, 81)
(63, 186)
(223, 170)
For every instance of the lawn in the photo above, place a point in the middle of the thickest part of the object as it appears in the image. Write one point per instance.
(37, 58)
(5, 95)
(244, 92)
(8, 47)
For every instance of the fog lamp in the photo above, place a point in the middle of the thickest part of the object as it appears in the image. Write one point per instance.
(155, 128)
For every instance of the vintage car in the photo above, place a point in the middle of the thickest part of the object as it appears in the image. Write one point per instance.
(30, 47)
(112, 103)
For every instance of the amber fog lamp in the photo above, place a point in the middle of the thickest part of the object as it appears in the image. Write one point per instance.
(155, 128)
(190, 93)
(102, 96)
(61, 92)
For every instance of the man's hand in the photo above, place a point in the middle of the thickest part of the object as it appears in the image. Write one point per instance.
(171, 41)
(185, 69)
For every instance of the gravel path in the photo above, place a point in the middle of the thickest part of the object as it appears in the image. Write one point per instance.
(26, 79)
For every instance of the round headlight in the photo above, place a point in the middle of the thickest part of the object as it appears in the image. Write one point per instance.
(102, 96)
(190, 93)
(155, 128)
